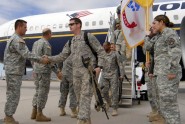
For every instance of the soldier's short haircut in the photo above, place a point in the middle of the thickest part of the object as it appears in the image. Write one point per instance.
(106, 43)
(77, 20)
(46, 31)
(19, 22)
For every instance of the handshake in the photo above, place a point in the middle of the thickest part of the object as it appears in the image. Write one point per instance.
(45, 60)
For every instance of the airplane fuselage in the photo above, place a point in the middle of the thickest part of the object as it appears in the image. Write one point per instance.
(95, 22)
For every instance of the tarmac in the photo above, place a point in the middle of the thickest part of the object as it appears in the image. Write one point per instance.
(135, 114)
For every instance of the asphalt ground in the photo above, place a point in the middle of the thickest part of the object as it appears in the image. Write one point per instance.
(135, 114)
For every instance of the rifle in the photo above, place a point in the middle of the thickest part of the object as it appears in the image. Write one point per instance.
(96, 88)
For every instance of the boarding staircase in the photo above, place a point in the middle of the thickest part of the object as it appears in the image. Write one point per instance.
(126, 98)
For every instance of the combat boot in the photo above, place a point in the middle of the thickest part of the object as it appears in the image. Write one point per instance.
(159, 121)
(62, 111)
(10, 120)
(41, 117)
(152, 113)
(154, 117)
(84, 121)
(34, 113)
(73, 113)
(114, 112)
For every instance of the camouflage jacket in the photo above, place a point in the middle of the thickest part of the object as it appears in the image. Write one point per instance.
(66, 67)
(167, 53)
(79, 49)
(112, 63)
(15, 55)
(42, 47)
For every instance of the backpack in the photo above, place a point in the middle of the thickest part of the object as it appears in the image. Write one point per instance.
(87, 42)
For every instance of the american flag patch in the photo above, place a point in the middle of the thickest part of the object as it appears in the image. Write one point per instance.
(80, 14)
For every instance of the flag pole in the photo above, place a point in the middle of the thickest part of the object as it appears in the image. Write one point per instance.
(147, 28)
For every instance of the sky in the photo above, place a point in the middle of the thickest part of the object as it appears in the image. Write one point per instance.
(13, 9)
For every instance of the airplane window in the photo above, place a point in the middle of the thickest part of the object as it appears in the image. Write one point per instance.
(100, 22)
(54, 26)
(93, 23)
(86, 23)
(42, 27)
(36, 28)
(48, 26)
(31, 28)
(60, 25)
(66, 25)
(176, 17)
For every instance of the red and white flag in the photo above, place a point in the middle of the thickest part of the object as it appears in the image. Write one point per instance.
(133, 22)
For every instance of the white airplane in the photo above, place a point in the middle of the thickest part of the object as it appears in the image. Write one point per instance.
(95, 21)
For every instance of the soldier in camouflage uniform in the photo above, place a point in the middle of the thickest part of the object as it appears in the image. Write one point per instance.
(66, 86)
(42, 76)
(109, 78)
(167, 54)
(15, 55)
(152, 90)
(79, 51)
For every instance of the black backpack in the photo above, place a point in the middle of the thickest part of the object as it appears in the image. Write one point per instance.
(87, 42)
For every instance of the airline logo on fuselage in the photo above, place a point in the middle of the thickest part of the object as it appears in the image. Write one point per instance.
(168, 6)
(79, 14)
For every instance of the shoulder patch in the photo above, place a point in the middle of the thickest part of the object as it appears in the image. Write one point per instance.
(171, 42)
(21, 41)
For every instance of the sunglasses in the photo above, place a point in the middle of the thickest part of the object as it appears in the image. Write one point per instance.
(71, 24)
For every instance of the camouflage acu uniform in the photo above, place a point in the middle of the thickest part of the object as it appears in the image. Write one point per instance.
(151, 85)
(42, 73)
(167, 56)
(66, 85)
(81, 77)
(15, 56)
(118, 40)
(110, 76)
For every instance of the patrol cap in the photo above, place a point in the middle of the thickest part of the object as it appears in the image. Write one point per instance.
(118, 10)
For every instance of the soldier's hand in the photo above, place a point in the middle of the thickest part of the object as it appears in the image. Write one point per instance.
(97, 70)
(171, 76)
(45, 60)
(59, 75)
(147, 64)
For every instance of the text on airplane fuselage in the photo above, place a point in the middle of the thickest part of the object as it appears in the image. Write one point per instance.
(168, 6)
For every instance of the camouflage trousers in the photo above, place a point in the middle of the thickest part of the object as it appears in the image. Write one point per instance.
(42, 83)
(110, 84)
(14, 83)
(66, 86)
(168, 90)
(84, 92)
(153, 94)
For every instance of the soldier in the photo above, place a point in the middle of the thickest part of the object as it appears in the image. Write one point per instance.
(42, 76)
(109, 78)
(15, 56)
(167, 69)
(66, 86)
(118, 38)
(81, 53)
(152, 90)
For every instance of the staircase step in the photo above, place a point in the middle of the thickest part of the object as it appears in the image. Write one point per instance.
(124, 102)
(126, 85)
(126, 96)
